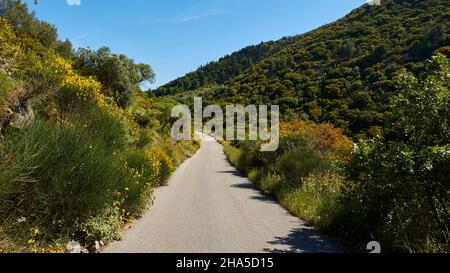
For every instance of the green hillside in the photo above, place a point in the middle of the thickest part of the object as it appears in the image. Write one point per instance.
(340, 73)
(226, 68)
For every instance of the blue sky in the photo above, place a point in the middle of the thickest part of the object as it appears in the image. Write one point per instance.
(177, 36)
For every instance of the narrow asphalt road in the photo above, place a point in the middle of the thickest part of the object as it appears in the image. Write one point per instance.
(208, 207)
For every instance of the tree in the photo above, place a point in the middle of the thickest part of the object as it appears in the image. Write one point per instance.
(347, 50)
(18, 15)
(64, 48)
(119, 75)
(400, 192)
(423, 104)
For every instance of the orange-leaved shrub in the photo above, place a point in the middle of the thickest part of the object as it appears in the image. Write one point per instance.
(325, 137)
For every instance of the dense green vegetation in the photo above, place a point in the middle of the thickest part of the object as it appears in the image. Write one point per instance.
(117, 74)
(81, 147)
(401, 189)
(340, 73)
(396, 192)
(17, 14)
(226, 68)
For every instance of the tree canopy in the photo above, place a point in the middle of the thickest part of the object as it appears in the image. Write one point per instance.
(119, 75)
(18, 15)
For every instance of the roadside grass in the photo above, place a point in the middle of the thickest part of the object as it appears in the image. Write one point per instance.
(79, 178)
(314, 199)
(56, 178)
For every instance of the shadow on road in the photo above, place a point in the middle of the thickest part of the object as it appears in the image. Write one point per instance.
(303, 240)
(244, 186)
(299, 240)
(258, 194)
(235, 173)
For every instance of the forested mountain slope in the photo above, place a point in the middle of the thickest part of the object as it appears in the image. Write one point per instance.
(340, 73)
(224, 69)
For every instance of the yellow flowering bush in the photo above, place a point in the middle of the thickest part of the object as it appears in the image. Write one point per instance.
(160, 162)
(153, 159)
(44, 69)
(9, 47)
(34, 246)
(86, 89)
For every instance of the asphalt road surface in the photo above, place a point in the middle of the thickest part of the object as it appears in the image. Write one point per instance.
(208, 207)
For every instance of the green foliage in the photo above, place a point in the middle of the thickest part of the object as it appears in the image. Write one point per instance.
(64, 49)
(308, 188)
(6, 82)
(400, 197)
(57, 175)
(226, 68)
(18, 15)
(422, 106)
(7, 85)
(162, 112)
(105, 226)
(301, 162)
(317, 200)
(396, 192)
(400, 192)
(104, 126)
(249, 156)
(119, 75)
(233, 154)
(302, 174)
(146, 179)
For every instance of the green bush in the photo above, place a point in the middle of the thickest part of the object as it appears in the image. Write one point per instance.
(57, 177)
(317, 201)
(142, 139)
(254, 175)
(300, 163)
(101, 125)
(167, 164)
(272, 184)
(396, 198)
(6, 86)
(81, 167)
(295, 159)
(248, 158)
(400, 192)
(106, 226)
(6, 83)
(233, 154)
(139, 189)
